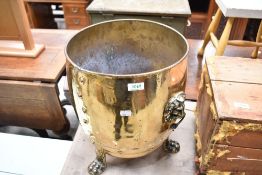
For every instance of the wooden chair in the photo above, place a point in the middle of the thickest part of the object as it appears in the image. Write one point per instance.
(233, 9)
(15, 34)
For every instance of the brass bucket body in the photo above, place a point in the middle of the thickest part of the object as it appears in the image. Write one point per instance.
(122, 74)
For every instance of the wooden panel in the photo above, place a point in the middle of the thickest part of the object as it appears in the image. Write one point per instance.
(238, 29)
(8, 27)
(41, 15)
(235, 69)
(236, 159)
(30, 104)
(14, 25)
(205, 119)
(46, 67)
(238, 101)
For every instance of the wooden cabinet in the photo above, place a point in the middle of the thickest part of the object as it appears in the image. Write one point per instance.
(74, 11)
(229, 120)
(75, 15)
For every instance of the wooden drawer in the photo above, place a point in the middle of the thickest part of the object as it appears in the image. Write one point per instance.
(229, 121)
(73, 9)
(76, 22)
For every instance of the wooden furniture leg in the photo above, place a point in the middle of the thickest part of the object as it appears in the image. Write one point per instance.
(211, 29)
(224, 37)
(258, 39)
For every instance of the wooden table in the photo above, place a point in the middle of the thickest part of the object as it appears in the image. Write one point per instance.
(75, 13)
(28, 87)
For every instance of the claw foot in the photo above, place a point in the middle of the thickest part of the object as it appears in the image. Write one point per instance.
(96, 167)
(171, 146)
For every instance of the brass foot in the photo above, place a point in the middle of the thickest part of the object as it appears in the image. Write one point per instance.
(171, 146)
(96, 167)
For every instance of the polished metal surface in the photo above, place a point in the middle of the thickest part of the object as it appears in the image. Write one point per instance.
(121, 74)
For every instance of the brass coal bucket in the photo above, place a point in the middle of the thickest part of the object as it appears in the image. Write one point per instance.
(127, 79)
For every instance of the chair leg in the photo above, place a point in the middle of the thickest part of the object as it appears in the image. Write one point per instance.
(224, 37)
(212, 28)
(258, 39)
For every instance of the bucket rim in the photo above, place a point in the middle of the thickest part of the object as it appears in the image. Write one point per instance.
(128, 75)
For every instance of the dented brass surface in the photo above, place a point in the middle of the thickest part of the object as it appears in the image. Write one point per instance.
(231, 128)
(127, 123)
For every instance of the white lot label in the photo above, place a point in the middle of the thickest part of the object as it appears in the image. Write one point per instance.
(135, 86)
(125, 113)
(241, 105)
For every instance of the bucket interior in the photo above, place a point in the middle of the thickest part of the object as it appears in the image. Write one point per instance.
(126, 47)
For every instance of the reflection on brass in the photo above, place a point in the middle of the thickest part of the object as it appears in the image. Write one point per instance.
(105, 59)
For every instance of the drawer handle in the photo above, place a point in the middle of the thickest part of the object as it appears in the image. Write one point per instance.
(74, 9)
(76, 21)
